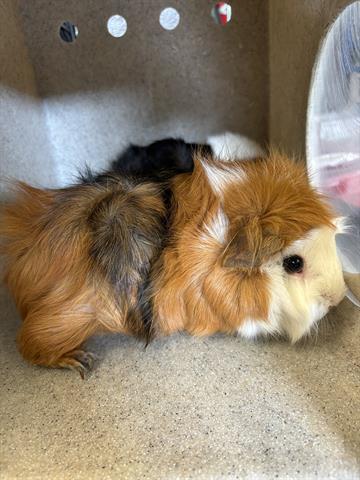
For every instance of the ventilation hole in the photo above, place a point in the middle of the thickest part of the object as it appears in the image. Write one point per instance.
(221, 13)
(117, 26)
(68, 32)
(169, 18)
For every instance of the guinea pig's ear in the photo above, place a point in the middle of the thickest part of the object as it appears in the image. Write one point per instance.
(251, 246)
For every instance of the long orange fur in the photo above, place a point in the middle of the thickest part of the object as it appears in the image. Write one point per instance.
(64, 300)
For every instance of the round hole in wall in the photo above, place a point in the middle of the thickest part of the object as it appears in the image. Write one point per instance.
(117, 26)
(221, 13)
(169, 18)
(68, 32)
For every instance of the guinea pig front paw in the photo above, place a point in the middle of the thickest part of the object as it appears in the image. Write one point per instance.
(78, 360)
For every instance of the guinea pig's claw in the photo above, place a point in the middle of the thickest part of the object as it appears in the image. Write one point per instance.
(82, 373)
(84, 362)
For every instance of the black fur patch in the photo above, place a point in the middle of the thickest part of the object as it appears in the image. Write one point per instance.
(160, 160)
(128, 226)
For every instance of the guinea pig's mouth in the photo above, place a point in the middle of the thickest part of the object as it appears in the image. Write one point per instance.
(319, 310)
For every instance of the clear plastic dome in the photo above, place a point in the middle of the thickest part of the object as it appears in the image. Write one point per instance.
(333, 127)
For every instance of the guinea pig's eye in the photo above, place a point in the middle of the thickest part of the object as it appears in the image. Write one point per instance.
(293, 264)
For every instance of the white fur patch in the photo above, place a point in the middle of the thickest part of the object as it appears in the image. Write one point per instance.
(218, 227)
(231, 146)
(221, 177)
(252, 328)
(318, 311)
(342, 225)
(227, 147)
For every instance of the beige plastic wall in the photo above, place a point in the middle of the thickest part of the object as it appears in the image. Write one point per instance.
(24, 145)
(64, 105)
(296, 28)
(100, 93)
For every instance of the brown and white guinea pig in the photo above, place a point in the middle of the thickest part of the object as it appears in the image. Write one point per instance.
(245, 247)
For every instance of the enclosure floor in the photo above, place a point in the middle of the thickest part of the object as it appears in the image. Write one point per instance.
(214, 408)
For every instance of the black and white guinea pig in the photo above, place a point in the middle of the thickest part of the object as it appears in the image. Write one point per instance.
(165, 158)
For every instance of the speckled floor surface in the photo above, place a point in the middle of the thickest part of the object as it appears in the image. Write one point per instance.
(215, 408)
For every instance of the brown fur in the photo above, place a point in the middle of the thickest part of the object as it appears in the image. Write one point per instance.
(86, 259)
(203, 287)
(76, 261)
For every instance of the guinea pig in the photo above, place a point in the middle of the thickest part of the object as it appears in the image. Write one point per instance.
(165, 158)
(161, 159)
(244, 247)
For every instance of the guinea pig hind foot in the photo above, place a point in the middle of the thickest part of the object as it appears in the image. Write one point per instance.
(78, 360)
